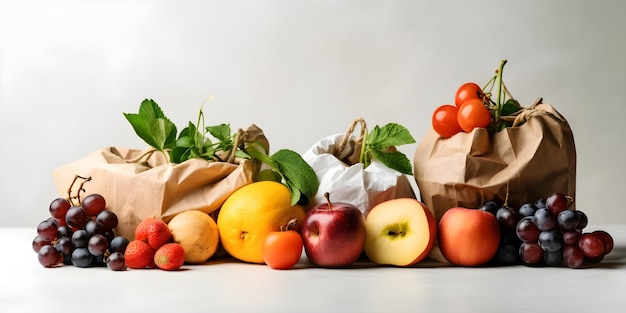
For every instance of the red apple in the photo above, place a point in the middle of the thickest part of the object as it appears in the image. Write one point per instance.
(468, 237)
(333, 234)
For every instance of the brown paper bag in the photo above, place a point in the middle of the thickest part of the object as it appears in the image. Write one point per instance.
(135, 187)
(531, 160)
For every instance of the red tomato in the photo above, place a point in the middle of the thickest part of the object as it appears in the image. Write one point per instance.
(465, 92)
(473, 113)
(282, 249)
(445, 121)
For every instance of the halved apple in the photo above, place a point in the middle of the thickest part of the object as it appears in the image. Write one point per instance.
(400, 232)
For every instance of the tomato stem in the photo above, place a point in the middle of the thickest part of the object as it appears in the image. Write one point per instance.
(499, 98)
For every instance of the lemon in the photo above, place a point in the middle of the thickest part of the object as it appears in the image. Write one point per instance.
(197, 232)
(250, 213)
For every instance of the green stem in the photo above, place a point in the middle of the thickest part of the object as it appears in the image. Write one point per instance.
(362, 158)
(499, 82)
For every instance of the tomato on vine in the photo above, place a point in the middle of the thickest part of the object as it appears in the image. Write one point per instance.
(473, 113)
(283, 249)
(466, 92)
(445, 122)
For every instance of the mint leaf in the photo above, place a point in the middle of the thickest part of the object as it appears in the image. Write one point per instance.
(298, 174)
(380, 145)
(392, 134)
(152, 126)
(395, 160)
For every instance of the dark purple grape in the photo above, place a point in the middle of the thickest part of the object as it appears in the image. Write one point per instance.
(531, 253)
(490, 206)
(527, 209)
(47, 230)
(567, 220)
(65, 246)
(58, 208)
(98, 260)
(557, 202)
(507, 254)
(109, 234)
(544, 219)
(76, 217)
(550, 240)
(527, 230)
(93, 204)
(540, 204)
(98, 245)
(81, 257)
(554, 258)
(582, 220)
(80, 238)
(48, 256)
(94, 228)
(507, 217)
(64, 231)
(108, 219)
(573, 256)
(119, 244)
(116, 261)
(38, 243)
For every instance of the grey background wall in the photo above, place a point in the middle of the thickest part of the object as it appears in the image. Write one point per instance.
(301, 70)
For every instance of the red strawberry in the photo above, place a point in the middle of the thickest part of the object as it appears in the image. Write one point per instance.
(153, 231)
(139, 255)
(170, 256)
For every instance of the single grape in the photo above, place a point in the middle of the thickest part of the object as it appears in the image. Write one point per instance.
(573, 256)
(93, 204)
(47, 230)
(550, 240)
(81, 257)
(554, 258)
(591, 245)
(116, 261)
(531, 253)
(65, 247)
(76, 217)
(582, 220)
(80, 238)
(59, 207)
(527, 209)
(507, 254)
(48, 256)
(607, 240)
(119, 244)
(60, 221)
(527, 230)
(53, 221)
(490, 206)
(507, 217)
(557, 202)
(544, 219)
(98, 260)
(108, 219)
(567, 220)
(38, 243)
(94, 228)
(570, 237)
(540, 203)
(64, 231)
(98, 245)
(109, 234)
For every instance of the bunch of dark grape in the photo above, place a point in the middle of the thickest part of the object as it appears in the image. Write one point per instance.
(80, 234)
(553, 235)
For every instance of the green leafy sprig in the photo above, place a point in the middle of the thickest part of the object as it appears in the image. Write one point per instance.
(504, 104)
(151, 125)
(380, 144)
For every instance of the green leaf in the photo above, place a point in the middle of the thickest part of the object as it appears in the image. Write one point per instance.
(509, 107)
(152, 126)
(298, 174)
(392, 134)
(220, 132)
(395, 160)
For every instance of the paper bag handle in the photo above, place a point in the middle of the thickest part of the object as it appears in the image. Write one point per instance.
(346, 137)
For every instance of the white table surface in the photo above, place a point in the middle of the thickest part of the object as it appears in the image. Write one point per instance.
(226, 285)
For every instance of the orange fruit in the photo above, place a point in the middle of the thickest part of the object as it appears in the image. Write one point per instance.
(197, 233)
(250, 214)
